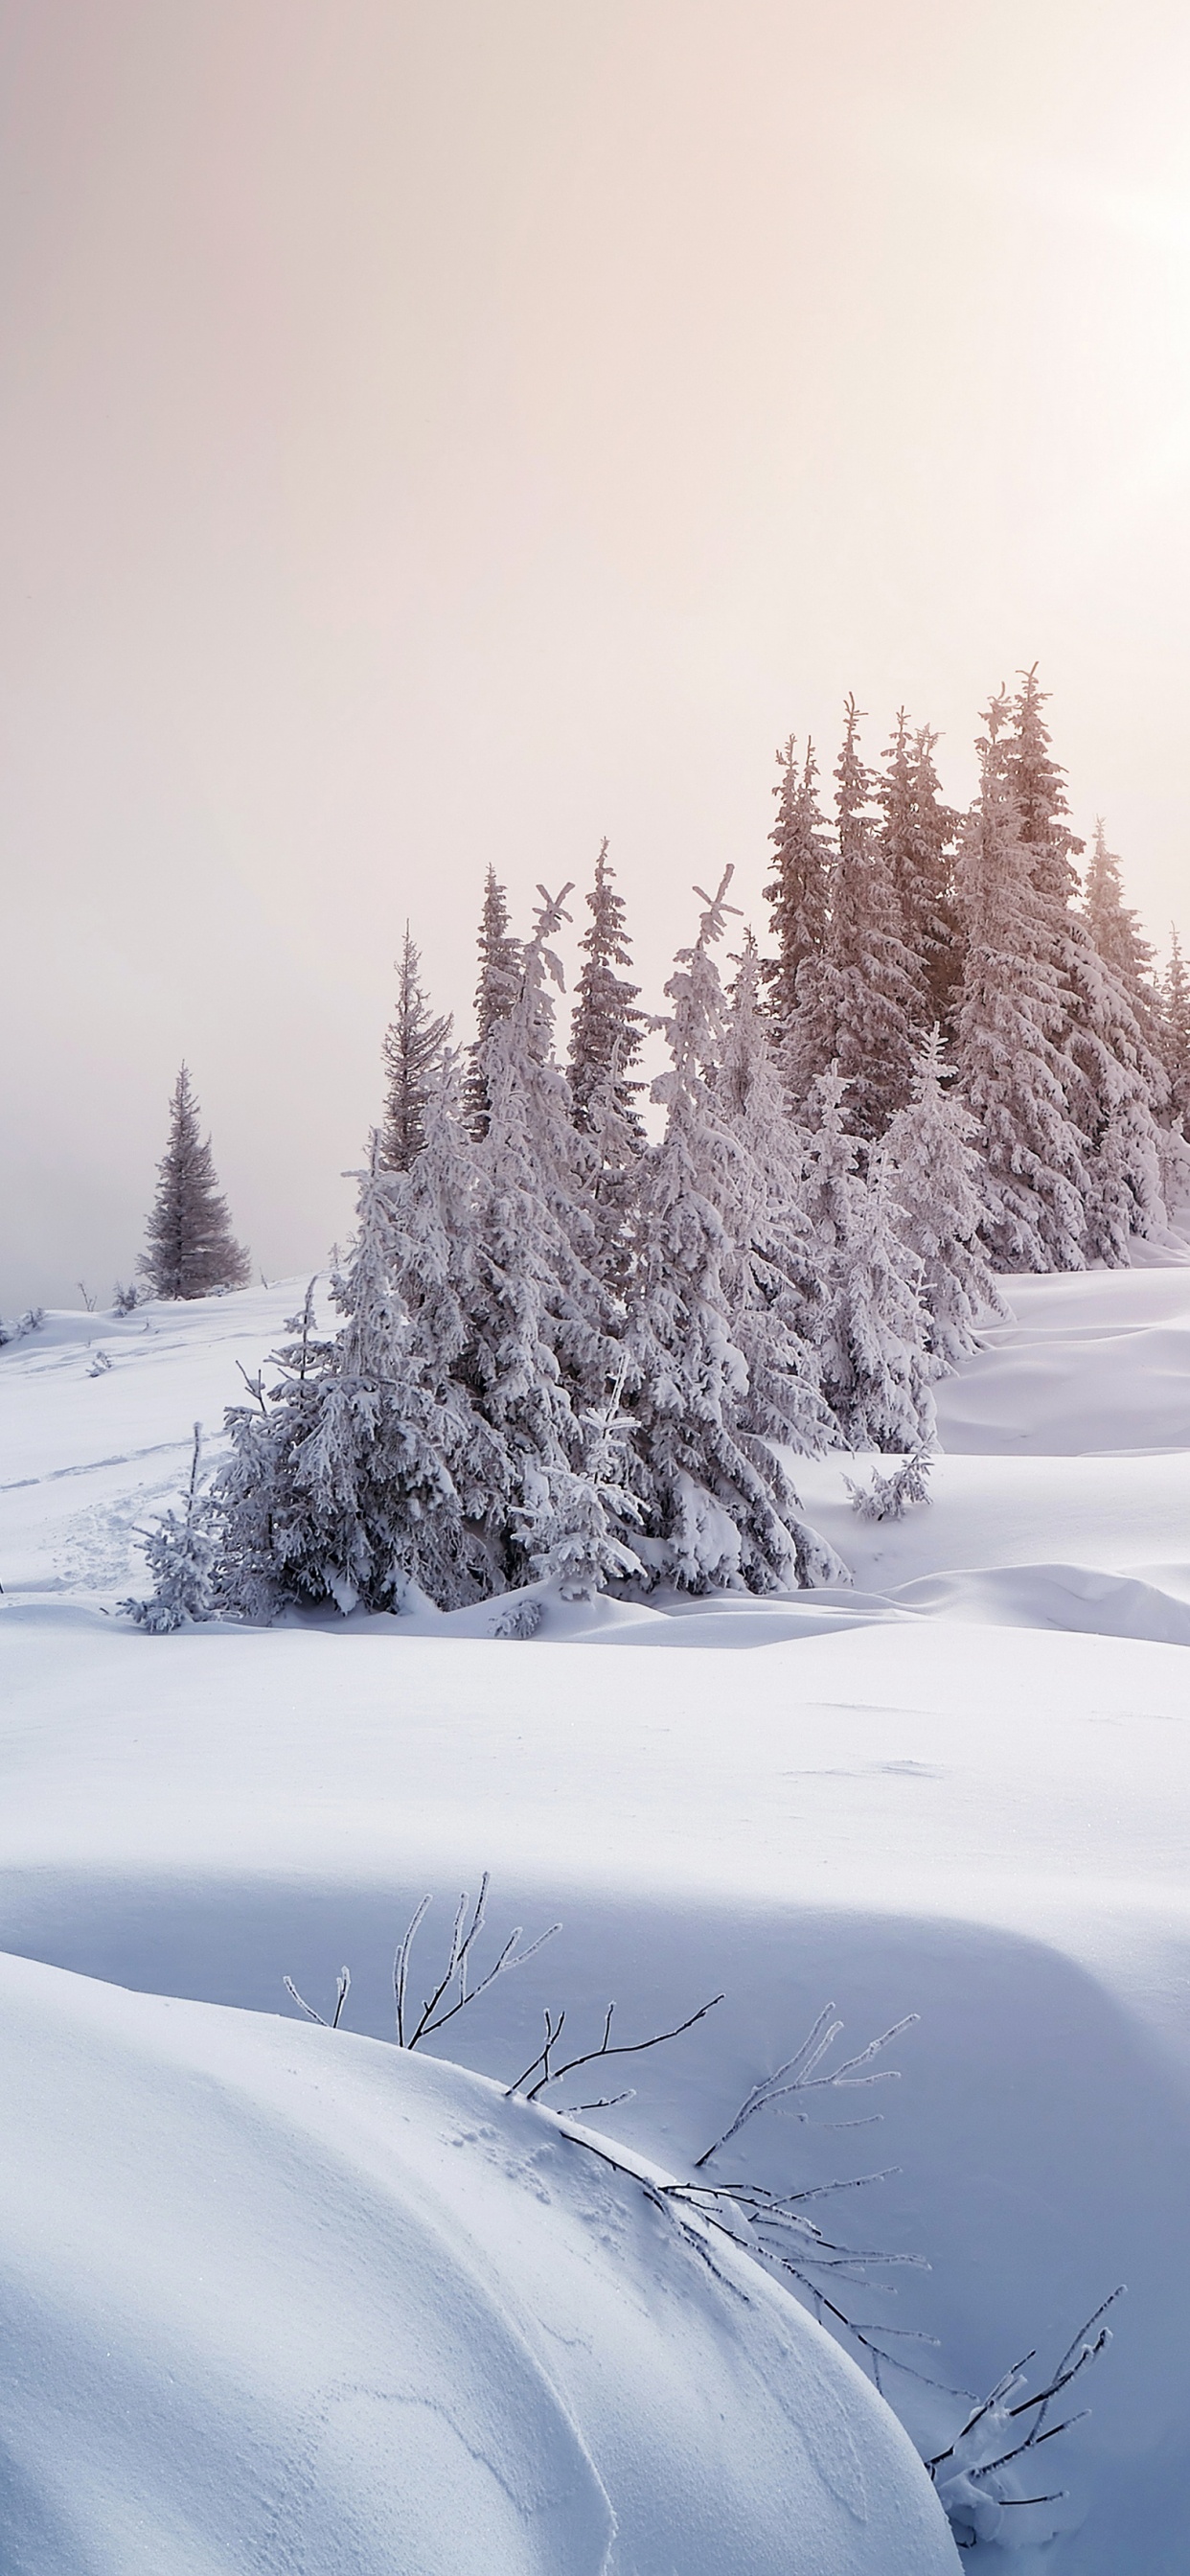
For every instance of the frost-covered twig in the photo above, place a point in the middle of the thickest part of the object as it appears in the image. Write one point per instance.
(970, 2474)
(800, 2074)
(342, 1990)
(551, 2074)
(457, 1967)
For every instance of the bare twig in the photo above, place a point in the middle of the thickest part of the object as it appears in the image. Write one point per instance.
(342, 1990)
(457, 1969)
(551, 2074)
(800, 2074)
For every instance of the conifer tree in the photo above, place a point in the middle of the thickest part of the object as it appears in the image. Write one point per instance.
(340, 1485)
(872, 1328)
(773, 1287)
(606, 1028)
(719, 1510)
(1114, 926)
(543, 1352)
(1012, 1023)
(861, 1000)
(918, 837)
(798, 894)
(1175, 1017)
(189, 1249)
(495, 991)
(413, 1049)
(932, 1174)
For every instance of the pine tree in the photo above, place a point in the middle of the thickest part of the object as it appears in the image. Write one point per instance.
(798, 894)
(861, 1001)
(719, 1510)
(181, 1556)
(189, 1250)
(774, 1293)
(606, 1028)
(1012, 1024)
(1114, 927)
(414, 1045)
(1175, 1023)
(340, 1487)
(933, 1181)
(495, 992)
(542, 1353)
(871, 1329)
(918, 838)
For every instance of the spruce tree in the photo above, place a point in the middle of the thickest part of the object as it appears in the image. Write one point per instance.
(798, 893)
(1114, 926)
(918, 836)
(414, 1045)
(1175, 1030)
(933, 1180)
(340, 1486)
(606, 1028)
(1012, 1024)
(495, 992)
(189, 1249)
(719, 1509)
(773, 1288)
(871, 1329)
(861, 1000)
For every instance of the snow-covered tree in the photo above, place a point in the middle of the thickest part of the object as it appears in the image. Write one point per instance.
(495, 992)
(798, 893)
(773, 1289)
(1114, 926)
(542, 1353)
(933, 1184)
(189, 1248)
(918, 836)
(180, 1554)
(1012, 1026)
(340, 1487)
(414, 1044)
(605, 1040)
(871, 1328)
(861, 1000)
(719, 1510)
(606, 1027)
(1175, 1029)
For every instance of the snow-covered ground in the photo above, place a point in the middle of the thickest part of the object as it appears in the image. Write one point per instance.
(958, 1790)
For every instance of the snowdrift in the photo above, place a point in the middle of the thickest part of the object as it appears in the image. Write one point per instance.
(275, 2298)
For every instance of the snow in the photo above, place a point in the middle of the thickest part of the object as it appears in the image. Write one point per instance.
(959, 1788)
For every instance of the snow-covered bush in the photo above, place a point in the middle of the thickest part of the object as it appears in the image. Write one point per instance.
(887, 1497)
(181, 1556)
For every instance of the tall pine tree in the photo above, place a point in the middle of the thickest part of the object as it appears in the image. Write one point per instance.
(1175, 1026)
(918, 836)
(414, 1045)
(189, 1249)
(495, 992)
(798, 893)
(933, 1179)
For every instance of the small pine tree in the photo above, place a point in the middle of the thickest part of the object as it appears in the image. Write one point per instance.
(798, 893)
(499, 982)
(190, 1250)
(606, 1028)
(933, 1179)
(414, 1045)
(1114, 926)
(340, 1489)
(773, 1288)
(871, 1329)
(180, 1554)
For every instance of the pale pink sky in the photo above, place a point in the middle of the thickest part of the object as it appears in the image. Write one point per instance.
(442, 433)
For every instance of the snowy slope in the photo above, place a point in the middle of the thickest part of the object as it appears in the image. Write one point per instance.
(959, 1789)
(275, 2299)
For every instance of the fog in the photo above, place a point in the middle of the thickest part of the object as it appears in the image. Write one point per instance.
(449, 433)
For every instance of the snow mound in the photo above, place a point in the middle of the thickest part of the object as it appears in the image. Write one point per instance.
(281, 2298)
(1096, 1360)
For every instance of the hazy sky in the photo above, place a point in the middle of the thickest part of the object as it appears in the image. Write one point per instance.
(442, 433)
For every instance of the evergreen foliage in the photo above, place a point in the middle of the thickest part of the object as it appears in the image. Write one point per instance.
(798, 894)
(606, 1028)
(1175, 1027)
(495, 992)
(181, 1556)
(414, 1044)
(872, 1332)
(719, 1509)
(189, 1248)
(918, 837)
(933, 1178)
(861, 1000)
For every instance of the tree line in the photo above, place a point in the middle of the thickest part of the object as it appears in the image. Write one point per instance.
(569, 1350)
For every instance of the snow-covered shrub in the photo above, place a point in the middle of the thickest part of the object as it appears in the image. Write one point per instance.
(887, 1497)
(125, 1300)
(180, 1554)
(30, 1322)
